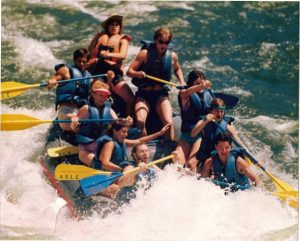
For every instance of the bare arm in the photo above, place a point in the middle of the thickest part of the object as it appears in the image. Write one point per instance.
(235, 136)
(135, 64)
(113, 114)
(201, 124)
(123, 51)
(93, 44)
(195, 88)
(105, 157)
(207, 168)
(177, 69)
(62, 73)
(243, 168)
(148, 138)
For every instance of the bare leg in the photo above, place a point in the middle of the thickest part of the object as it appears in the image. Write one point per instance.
(164, 110)
(122, 89)
(111, 191)
(86, 157)
(194, 149)
(141, 111)
(183, 148)
(192, 164)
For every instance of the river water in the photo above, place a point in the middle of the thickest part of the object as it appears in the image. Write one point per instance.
(247, 49)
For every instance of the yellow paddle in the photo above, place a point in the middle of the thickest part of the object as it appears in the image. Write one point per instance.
(281, 186)
(230, 100)
(284, 191)
(10, 89)
(164, 81)
(97, 183)
(62, 151)
(67, 172)
(14, 122)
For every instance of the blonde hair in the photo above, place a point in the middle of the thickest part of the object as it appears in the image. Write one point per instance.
(98, 84)
(162, 32)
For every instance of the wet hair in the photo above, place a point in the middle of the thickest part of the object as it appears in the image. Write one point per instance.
(117, 125)
(223, 136)
(162, 32)
(134, 150)
(79, 53)
(217, 103)
(193, 75)
(110, 22)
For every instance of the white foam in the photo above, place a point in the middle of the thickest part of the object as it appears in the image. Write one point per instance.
(206, 64)
(237, 91)
(268, 51)
(274, 124)
(175, 208)
(35, 53)
(183, 208)
(25, 194)
(181, 5)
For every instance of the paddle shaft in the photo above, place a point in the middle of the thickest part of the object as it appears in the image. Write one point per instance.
(37, 122)
(229, 100)
(46, 84)
(13, 122)
(160, 80)
(148, 164)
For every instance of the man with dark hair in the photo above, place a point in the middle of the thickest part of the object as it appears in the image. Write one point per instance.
(72, 95)
(227, 166)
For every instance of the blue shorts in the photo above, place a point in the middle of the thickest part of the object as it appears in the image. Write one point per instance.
(185, 136)
(96, 164)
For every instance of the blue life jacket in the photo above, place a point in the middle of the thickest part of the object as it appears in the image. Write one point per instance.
(155, 67)
(228, 176)
(119, 154)
(74, 92)
(199, 103)
(90, 131)
(211, 130)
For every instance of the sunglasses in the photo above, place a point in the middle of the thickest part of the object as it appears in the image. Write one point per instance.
(163, 42)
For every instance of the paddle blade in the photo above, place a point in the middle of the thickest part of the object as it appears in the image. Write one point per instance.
(289, 197)
(67, 172)
(62, 151)
(12, 89)
(14, 122)
(97, 183)
(280, 185)
(230, 100)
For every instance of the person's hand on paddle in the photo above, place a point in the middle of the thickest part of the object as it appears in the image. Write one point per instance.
(207, 84)
(110, 76)
(142, 166)
(52, 82)
(209, 118)
(176, 157)
(140, 74)
(129, 121)
(75, 123)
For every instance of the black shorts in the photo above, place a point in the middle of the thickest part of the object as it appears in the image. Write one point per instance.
(151, 97)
